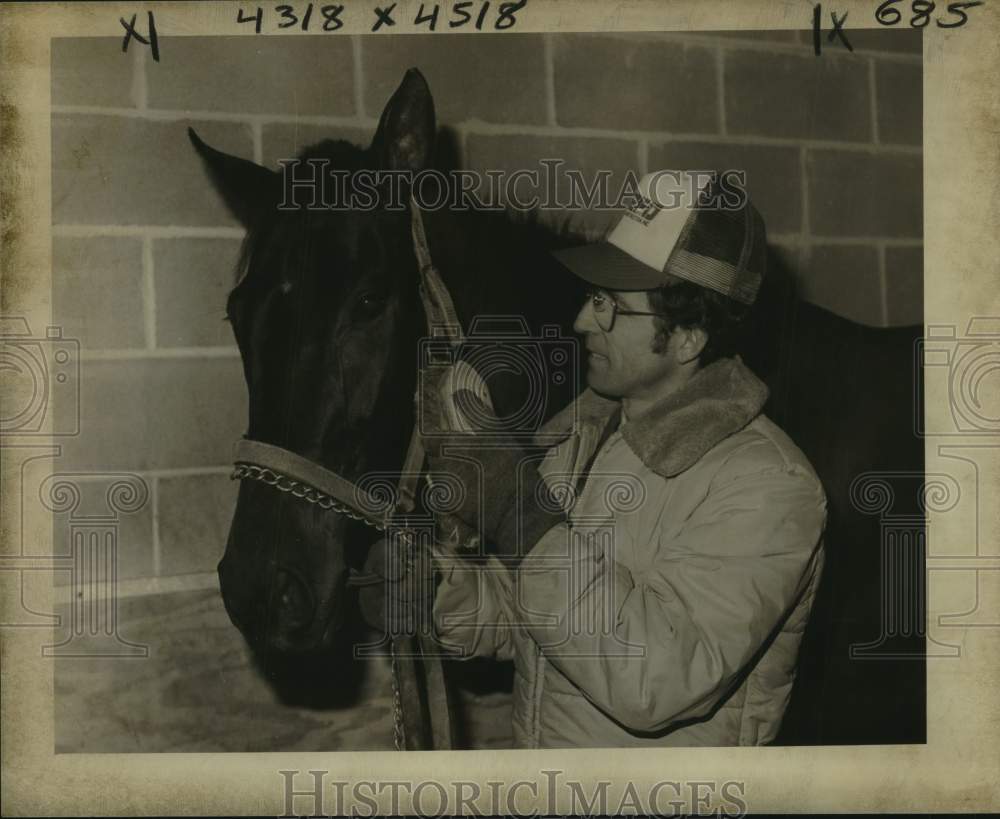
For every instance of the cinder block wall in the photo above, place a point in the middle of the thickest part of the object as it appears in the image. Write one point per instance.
(143, 249)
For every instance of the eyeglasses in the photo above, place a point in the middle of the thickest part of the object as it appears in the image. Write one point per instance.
(606, 310)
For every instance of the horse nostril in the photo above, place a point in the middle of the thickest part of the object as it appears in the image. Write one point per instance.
(293, 598)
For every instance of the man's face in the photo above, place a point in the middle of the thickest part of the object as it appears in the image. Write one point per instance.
(620, 361)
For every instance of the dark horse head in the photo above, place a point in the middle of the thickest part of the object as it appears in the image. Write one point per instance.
(327, 316)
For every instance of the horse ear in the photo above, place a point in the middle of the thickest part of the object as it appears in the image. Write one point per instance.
(247, 188)
(405, 136)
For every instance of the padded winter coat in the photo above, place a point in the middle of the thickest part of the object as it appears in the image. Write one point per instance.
(669, 609)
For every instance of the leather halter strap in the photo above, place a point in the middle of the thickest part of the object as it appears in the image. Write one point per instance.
(290, 472)
(441, 318)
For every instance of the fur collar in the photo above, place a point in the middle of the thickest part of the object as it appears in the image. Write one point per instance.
(673, 435)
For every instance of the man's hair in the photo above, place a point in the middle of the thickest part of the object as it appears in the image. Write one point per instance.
(687, 305)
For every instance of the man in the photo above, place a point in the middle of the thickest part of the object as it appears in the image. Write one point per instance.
(664, 604)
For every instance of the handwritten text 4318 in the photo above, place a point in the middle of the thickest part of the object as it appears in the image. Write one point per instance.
(430, 16)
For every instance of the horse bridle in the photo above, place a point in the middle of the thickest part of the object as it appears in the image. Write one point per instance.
(303, 478)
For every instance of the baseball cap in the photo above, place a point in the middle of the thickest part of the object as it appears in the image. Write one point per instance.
(696, 226)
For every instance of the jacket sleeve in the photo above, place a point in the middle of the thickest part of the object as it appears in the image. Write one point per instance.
(473, 610)
(681, 633)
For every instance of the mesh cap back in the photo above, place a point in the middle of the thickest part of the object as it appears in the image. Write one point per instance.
(687, 225)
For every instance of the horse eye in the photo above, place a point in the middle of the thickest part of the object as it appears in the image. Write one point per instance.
(370, 305)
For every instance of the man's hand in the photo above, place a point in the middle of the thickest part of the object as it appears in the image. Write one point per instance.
(398, 599)
(500, 481)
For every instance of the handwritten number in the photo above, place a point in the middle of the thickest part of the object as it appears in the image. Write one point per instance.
(288, 14)
(257, 18)
(482, 15)
(507, 12)
(331, 17)
(431, 19)
(957, 10)
(887, 14)
(921, 13)
(460, 8)
(429, 15)
(154, 41)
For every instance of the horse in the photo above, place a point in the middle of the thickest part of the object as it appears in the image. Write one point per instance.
(327, 315)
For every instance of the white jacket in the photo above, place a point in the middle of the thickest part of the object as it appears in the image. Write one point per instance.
(670, 608)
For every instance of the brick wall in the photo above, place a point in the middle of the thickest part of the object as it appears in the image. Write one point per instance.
(143, 249)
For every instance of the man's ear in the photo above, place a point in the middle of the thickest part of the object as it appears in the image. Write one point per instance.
(690, 343)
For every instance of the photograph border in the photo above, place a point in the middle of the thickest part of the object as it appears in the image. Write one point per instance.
(954, 770)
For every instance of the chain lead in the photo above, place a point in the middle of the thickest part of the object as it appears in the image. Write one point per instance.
(397, 702)
(309, 494)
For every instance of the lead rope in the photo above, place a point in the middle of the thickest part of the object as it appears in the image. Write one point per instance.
(441, 318)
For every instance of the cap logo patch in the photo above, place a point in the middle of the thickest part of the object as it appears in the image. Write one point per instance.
(643, 211)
